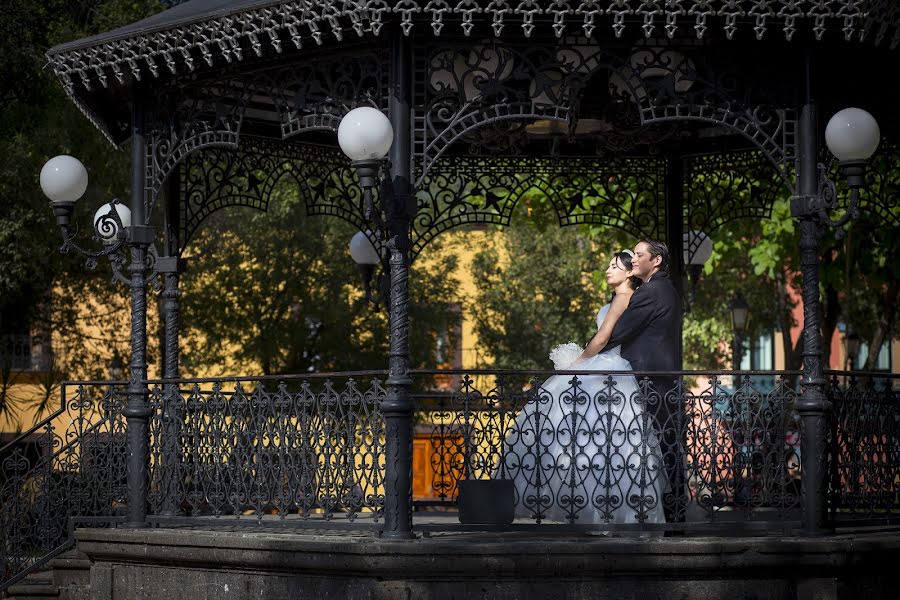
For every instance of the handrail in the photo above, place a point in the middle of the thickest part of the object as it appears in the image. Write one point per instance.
(585, 372)
(284, 377)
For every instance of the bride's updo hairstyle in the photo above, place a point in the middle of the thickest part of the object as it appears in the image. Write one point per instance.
(624, 257)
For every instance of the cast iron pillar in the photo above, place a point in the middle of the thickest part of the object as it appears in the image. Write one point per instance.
(397, 407)
(168, 266)
(675, 218)
(137, 410)
(675, 230)
(813, 405)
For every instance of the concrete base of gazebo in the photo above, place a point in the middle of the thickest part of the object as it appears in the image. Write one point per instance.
(193, 564)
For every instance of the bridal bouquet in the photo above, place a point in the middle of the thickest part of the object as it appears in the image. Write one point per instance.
(564, 355)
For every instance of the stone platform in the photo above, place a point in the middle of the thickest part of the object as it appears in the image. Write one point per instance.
(241, 562)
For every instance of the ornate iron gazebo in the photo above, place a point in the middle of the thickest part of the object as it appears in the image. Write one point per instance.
(621, 112)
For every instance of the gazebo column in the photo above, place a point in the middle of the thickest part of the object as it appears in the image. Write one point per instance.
(675, 223)
(397, 407)
(813, 405)
(168, 266)
(137, 410)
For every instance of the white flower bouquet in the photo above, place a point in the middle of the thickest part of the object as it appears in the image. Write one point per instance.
(565, 355)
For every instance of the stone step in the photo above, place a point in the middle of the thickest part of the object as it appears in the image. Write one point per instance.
(71, 569)
(34, 585)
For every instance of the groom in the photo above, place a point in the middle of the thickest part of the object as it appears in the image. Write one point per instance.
(649, 332)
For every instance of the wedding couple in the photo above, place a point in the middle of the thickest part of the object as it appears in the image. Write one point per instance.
(592, 450)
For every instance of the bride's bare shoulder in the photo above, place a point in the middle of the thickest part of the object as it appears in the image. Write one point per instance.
(620, 300)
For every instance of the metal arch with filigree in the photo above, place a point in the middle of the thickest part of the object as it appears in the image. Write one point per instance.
(625, 193)
(316, 94)
(670, 84)
(723, 187)
(299, 98)
(187, 119)
(463, 89)
(216, 178)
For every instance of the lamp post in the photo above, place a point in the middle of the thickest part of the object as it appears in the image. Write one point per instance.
(697, 248)
(851, 348)
(64, 181)
(852, 136)
(115, 368)
(366, 135)
(740, 311)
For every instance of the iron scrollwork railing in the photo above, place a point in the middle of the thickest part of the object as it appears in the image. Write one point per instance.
(706, 451)
(67, 470)
(864, 447)
(689, 450)
(307, 447)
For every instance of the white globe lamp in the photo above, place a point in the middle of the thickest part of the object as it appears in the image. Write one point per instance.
(852, 135)
(63, 180)
(362, 251)
(698, 248)
(105, 223)
(365, 134)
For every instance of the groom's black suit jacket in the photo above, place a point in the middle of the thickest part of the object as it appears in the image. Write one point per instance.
(649, 330)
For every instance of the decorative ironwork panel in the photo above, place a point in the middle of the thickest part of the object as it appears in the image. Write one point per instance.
(68, 469)
(188, 118)
(463, 87)
(497, 97)
(726, 186)
(596, 450)
(626, 193)
(294, 98)
(865, 446)
(315, 94)
(881, 196)
(220, 177)
(307, 447)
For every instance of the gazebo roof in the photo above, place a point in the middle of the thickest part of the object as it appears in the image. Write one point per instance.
(96, 70)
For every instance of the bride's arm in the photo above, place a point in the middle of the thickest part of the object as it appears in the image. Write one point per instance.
(600, 339)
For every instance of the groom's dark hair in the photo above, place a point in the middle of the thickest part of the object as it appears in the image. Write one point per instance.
(657, 248)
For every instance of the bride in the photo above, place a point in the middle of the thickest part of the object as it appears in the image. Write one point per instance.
(583, 450)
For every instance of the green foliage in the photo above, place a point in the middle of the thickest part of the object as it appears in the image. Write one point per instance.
(536, 288)
(38, 121)
(278, 291)
(42, 291)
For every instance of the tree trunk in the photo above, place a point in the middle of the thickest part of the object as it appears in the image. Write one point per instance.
(832, 312)
(884, 325)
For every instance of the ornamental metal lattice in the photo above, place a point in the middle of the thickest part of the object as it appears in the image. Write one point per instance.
(626, 193)
(296, 98)
(581, 90)
(310, 447)
(723, 187)
(69, 470)
(220, 177)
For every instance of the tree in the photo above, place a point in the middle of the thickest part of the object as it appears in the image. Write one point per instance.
(278, 292)
(40, 290)
(539, 285)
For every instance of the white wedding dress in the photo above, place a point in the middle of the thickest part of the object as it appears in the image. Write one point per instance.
(583, 451)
